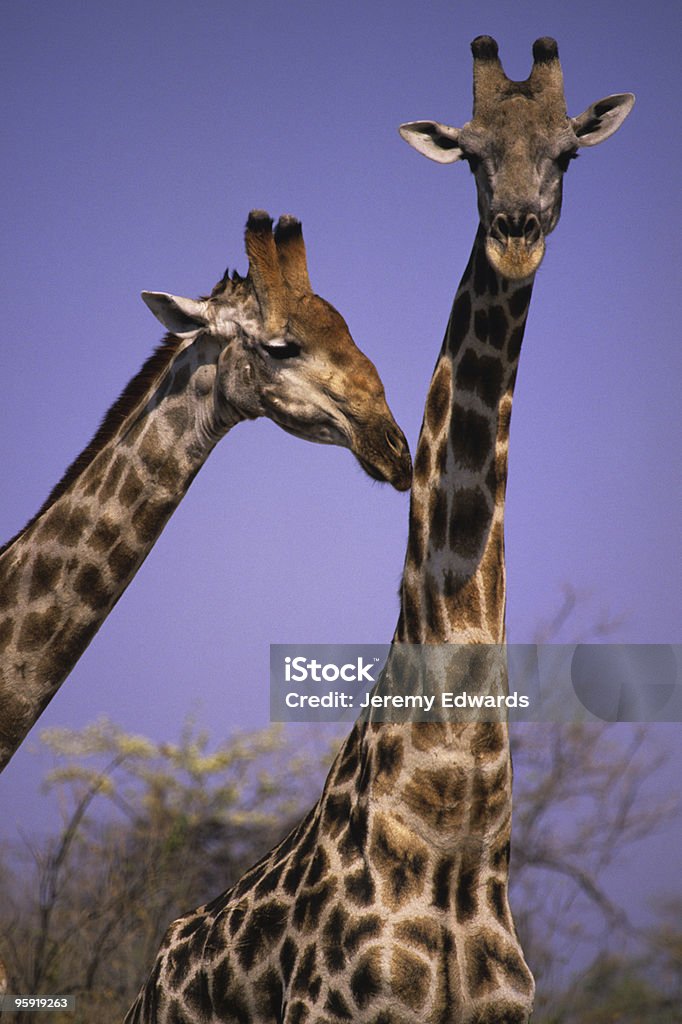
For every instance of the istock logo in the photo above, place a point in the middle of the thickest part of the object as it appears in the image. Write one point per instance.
(298, 670)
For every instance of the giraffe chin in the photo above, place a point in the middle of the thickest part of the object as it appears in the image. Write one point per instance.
(400, 477)
(514, 260)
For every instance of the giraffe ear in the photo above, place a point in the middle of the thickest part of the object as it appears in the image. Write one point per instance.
(602, 118)
(434, 140)
(178, 315)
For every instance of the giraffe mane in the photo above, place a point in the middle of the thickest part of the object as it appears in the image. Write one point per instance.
(129, 398)
(231, 288)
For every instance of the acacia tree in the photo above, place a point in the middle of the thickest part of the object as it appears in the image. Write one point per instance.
(149, 830)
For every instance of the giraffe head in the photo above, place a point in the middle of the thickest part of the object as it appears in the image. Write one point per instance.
(518, 145)
(288, 355)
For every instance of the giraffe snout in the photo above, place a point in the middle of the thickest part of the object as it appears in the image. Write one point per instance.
(383, 452)
(515, 243)
(524, 226)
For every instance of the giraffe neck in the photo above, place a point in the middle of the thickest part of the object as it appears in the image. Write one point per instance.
(61, 576)
(430, 802)
(453, 589)
(454, 579)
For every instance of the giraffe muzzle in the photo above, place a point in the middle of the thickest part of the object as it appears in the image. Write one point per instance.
(384, 454)
(399, 477)
(515, 245)
(525, 227)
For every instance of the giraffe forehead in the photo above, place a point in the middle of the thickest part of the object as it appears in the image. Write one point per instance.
(518, 125)
(324, 331)
(312, 315)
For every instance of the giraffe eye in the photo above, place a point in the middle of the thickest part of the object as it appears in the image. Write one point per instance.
(282, 349)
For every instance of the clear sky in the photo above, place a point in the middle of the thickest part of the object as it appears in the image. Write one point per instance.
(137, 136)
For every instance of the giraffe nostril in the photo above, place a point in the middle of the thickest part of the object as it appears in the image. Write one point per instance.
(506, 226)
(394, 442)
(500, 227)
(531, 229)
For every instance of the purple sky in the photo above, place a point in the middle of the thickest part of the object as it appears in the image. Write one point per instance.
(136, 138)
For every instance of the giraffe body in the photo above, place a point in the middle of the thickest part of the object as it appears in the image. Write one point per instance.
(389, 903)
(260, 346)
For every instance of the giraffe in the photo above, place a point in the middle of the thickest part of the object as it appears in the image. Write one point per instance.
(264, 345)
(388, 903)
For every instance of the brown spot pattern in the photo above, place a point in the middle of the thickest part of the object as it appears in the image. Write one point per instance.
(489, 797)
(481, 375)
(122, 561)
(410, 978)
(410, 607)
(178, 419)
(434, 620)
(428, 735)
(6, 632)
(44, 575)
(91, 587)
(112, 477)
(365, 982)
(105, 535)
(38, 628)
(150, 449)
(131, 488)
(422, 460)
(481, 324)
(514, 344)
(460, 318)
(470, 437)
(361, 931)
(421, 932)
(415, 539)
(469, 521)
(150, 519)
(73, 527)
(9, 586)
(442, 458)
(466, 895)
(492, 572)
(65, 647)
(438, 518)
(497, 327)
(389, 761)
(518, 301)
(399, 859)
(437, 796)
(488, 740)
(438, 398)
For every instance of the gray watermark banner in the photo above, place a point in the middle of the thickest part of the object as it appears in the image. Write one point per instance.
(476, 682)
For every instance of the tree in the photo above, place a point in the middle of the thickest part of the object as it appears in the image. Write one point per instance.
(637, 989)
(582, 800)
(149, 830)
(579, 805)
